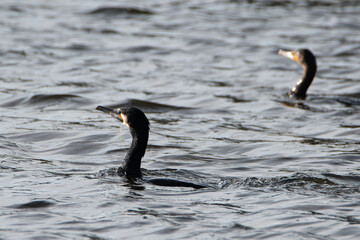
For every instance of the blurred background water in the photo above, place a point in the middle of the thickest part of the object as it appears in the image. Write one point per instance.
(207, 75)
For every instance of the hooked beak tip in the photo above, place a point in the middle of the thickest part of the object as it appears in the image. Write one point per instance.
(104, 109)
(287, 54)
(283, 52)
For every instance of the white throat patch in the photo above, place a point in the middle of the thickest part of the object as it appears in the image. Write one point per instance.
(125, 121)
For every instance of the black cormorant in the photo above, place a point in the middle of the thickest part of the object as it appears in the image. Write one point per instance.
(307, 61)
(139, 127)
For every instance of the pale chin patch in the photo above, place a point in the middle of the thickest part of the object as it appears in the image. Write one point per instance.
(125, 121)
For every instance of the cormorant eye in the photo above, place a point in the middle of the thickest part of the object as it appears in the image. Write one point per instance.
(117, 110)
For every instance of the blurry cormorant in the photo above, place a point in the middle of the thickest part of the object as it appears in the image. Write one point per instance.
(307, 61)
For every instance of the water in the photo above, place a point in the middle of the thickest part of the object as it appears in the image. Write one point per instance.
(208, 76)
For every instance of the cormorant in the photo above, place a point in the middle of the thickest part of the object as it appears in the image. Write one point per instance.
(139, 127)
(307, 61)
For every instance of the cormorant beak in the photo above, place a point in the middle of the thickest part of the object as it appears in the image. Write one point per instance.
(110, 111)
(289, 54)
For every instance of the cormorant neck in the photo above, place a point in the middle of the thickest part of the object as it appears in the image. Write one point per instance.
(132, 161)
(299, 90)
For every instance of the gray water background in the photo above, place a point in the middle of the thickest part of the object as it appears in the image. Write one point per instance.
(207, 75)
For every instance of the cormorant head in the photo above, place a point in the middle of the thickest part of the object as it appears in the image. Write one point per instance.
(130, 116)
(304, 57)
(134, 117)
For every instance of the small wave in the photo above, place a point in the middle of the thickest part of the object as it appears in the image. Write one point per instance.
(325, 141)
(15, 9)
(33, 204)
(46, 99)
(140, 49)
(329, 184)
(108, 31)
(206, 42)
(146, 48)
(80, 148)
(78, 47)
(300, 105)
(40, 136)
(235, 99)
(149, 106)
(298, 179)
(348, 100)
(17, 52)
(112, 172)
(75, 84)
(309, 4)
(313, 102)
(349, 126)
(343, 178)
(120, 11)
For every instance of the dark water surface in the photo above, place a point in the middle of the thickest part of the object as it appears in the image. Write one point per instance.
(208, 76)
